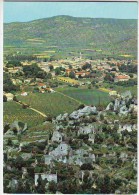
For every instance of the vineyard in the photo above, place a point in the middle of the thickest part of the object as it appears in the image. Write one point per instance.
(50, 103)
(14, 111)
(87, 96)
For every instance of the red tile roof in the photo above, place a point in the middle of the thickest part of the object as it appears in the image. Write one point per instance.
(122, 77)
(41, 84)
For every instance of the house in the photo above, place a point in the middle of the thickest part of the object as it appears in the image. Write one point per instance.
(91, 137)
(48, 159)
(50, 177)
(57, 136)
(50, 90)
(13, 184)
(41, 85)
(113, 93)
(124, 127)
(81, 157)
(123, 156)
(86, 130)
(121, 78)
(41, 90)
(77, 74)
(69, 70)
(24, 93)
(62, 150)
(27, 81)
(9, 96)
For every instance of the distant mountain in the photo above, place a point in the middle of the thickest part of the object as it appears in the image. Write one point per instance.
(69, 34)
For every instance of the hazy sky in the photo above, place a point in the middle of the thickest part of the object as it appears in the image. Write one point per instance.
(27, 11)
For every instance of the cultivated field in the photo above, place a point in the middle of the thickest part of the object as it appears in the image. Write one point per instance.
(14, 111)
(50, 103)
(87, 96)
(68, 80)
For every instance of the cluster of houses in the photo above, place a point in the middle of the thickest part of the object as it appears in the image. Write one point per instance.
(43, 88)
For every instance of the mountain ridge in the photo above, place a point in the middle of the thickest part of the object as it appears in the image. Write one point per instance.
(74, 33)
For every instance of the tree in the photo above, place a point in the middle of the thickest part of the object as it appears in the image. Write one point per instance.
(70, 66)
(86, 66)
(13, 63)
(15, 99)
(109, 77)
(52, 187)
(72, 75)
(8, 86)
(49, 75)
(34, 71)
(9, 142)
(4, 98)
(51, 67)
(57, 71)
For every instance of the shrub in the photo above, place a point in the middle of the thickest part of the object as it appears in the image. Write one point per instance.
(4, 98)
(81, 106)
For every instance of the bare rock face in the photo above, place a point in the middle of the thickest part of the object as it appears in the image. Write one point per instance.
(87, 110)
(123, 110)
(62, 117)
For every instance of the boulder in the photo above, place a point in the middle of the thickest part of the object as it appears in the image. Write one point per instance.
(87, 110)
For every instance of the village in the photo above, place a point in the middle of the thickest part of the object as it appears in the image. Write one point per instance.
(79, 154)
(77, 72)
(69, 152)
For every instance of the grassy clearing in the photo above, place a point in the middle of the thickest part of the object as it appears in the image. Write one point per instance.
(50, 103)
(14, 111)
(87, 96)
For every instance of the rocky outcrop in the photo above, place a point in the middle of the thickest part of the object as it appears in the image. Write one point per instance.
(18, 126)
(87, 110)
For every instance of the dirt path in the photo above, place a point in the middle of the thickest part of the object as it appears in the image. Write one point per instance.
(70, 97)
(41, 113)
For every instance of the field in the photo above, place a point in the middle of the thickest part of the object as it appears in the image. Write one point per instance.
(14, 111)
(121, 89)
(87, 96)
(50, 103)
(68, 80)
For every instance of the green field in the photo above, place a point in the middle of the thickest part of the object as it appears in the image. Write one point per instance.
(50, 103)
(121, 89)
(87, 96)
(14, 111)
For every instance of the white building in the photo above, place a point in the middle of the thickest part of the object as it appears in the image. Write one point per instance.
(9, 96)
(48, 176)
(48, 159)
(62, 150)
(86, 130)
(57, 137)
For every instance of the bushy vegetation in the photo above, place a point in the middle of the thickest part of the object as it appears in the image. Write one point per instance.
(65, 34)
(8, 86)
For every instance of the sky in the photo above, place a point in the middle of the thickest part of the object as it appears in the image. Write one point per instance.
(28, 11)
